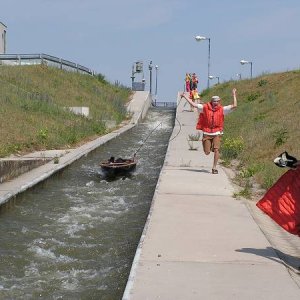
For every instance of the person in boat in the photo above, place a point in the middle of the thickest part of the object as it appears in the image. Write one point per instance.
(211, 122)
(120, 160)
(111, 160)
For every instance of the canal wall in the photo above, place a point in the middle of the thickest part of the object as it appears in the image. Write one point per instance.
(36, 167)
(11, 168)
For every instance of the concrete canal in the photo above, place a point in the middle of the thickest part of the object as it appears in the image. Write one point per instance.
(75, 235)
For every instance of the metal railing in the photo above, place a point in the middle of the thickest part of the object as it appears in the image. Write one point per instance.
(36, 59)
(165, 104)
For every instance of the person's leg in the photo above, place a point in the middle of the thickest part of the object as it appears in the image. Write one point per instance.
(216, 158)
(216, 147)
(207, 144)
(188, 89)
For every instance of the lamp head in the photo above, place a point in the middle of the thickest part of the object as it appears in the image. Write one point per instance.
(211, 77)
(244, 62)
(200, 38)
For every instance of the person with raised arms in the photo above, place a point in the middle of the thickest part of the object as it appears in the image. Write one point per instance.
(211, 122)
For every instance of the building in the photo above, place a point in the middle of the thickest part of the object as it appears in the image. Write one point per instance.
(2, 38)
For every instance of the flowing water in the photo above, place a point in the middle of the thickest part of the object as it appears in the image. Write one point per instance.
(75, 235)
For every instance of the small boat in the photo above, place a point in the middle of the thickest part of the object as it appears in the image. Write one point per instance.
(118, 166)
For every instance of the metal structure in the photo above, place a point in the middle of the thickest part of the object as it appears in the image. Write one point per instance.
(2, 38)
(150, 67)
(137, 68)
(156, 71)
(36, 59)
(166, 104)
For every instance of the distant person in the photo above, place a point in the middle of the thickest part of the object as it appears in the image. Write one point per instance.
(211, 122)
(188, 82)
(194, 81)
(191, 82)
(195, 95)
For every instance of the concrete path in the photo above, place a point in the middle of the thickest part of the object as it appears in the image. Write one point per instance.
(200, 242)
(138, 107)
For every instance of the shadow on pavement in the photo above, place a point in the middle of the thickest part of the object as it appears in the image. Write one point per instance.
(196, 170)
(275, 255)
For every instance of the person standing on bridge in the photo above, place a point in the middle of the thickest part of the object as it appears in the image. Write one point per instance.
(211, 122)
(188, 82)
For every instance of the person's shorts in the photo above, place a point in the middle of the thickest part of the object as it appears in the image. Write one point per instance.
(211, 142)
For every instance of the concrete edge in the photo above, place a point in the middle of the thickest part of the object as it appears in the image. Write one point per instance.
(141, 104)
(136, 259)
(138, 101)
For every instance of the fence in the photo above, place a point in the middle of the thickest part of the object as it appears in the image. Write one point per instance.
(165, 104)
(36, 59)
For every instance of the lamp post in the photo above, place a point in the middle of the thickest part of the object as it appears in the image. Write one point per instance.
(243, 62)
(239, 75)
(150, 69)
(156, 71)
(199, 38)
(132, 76)
(212, 77)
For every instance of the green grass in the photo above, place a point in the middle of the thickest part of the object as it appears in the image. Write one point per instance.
(33, 108)
(265, 123)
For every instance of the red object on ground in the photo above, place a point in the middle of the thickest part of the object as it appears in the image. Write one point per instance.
(282, 202)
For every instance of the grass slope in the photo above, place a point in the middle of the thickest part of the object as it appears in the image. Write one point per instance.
(32, 108)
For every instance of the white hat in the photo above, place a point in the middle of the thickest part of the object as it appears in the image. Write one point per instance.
(215, 98)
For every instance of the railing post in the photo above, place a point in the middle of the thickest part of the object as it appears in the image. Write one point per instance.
(41, 58)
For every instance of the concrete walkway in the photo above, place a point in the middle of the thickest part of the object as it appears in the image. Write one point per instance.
(200, 242)
(138, 107)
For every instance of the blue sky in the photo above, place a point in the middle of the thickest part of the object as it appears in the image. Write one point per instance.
(108, 36)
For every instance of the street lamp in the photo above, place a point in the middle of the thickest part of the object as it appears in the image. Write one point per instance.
(239, 75)
(132, 76)
(243, 62)
(150, 69)
(199, 38)
(156, 70)
(212, 77)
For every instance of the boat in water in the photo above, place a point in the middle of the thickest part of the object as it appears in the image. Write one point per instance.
(118, 166)
(113, 167)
